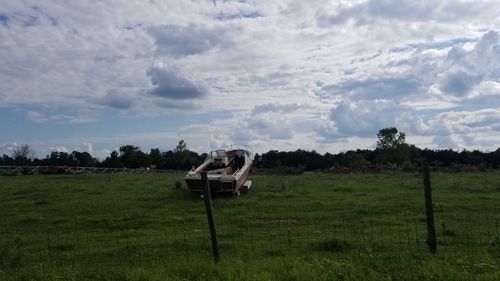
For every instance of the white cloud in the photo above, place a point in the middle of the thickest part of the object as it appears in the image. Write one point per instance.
(168, 83)
(364, 119)
(59, 149)
(88, 147)
(282, 107)
(175, 40)
(292, 72)
(42, 118)
(8, 148)
(371, 11)
(117, 98)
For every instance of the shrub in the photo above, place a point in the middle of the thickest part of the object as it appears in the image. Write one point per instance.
(178, 185)
(408, 167)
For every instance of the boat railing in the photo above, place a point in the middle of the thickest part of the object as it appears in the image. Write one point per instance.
(235, 172)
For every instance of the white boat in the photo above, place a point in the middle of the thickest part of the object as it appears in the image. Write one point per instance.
(227, 171)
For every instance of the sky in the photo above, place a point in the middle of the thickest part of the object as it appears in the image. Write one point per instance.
(324, 75)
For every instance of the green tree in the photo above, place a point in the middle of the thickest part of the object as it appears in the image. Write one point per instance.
(132, 157)
(390, 138)
(393, 147)
(184, 158)
(155, 156)
(58, 158)
(113, 161)
(181, 155)
(82, 159)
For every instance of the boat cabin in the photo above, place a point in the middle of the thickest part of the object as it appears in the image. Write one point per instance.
(225, 162)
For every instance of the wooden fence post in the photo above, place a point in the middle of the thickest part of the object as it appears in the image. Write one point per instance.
(429, 211)
(208, 207)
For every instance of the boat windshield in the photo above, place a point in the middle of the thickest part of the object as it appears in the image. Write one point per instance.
(219, 153)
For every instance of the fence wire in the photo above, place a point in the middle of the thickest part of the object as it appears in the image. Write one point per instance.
(180, 239)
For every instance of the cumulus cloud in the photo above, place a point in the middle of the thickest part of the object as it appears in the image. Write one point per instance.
(449, 129)
(453, 73)
(169, 83)
(281, 107)
(275, 128)
(59, 149)
(462, 129)
(464, 122)
(372, 88)
(204, 137)
(175, 40)
(262, 128)
(116, 99)
(88, 147)
(459, 83)
(278, 121)
(367, 12)
(42, 118)
(469, 74)
(364, 118)
(286, 69)
(177, 105)
(465, 74)
(8, 148)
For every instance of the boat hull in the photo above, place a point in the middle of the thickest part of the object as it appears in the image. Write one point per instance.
(227, 171)
(231, 184)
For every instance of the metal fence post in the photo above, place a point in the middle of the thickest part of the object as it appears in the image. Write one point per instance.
(208, 207)
(429, 211)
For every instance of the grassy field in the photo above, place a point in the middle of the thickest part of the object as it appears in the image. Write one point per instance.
(314, 226)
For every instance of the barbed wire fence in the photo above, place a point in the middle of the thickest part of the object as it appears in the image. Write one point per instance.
(186, 238)
(180, 239)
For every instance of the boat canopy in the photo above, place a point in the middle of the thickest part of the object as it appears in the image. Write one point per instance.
(220, 158)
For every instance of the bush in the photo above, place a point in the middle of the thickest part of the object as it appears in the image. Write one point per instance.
(178, 185)
(408, 167)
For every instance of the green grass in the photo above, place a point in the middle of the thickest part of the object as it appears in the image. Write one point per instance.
(315, 226)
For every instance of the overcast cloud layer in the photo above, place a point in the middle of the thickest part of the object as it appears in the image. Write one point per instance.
(324, 75)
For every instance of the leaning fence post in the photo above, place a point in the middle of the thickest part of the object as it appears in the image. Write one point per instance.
(210, 216)
(431, 231)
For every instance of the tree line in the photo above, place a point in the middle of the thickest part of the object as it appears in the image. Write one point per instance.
(392, 152)
(127, 156)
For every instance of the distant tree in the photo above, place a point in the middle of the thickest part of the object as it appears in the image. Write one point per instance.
(390, 138)
(393, 147)
(168, 160)
(126, 150)
(493, 158)
(155, 156)
(181, 146)
(181, 156)
(257, 161)
(6, 160)
(193, 160)
(23, 154)
(59, 159)
(113, 161)
(82, 159)
(132, 157)
(271, 159)
(314, 161)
